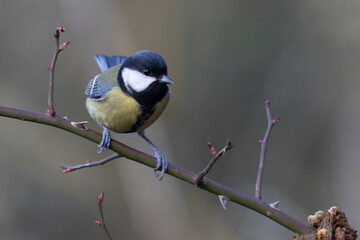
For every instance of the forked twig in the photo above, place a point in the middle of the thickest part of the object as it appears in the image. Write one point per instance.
(213, 160)
(263, 142)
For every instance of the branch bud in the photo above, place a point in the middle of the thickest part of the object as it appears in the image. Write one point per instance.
(66, 170)
(52, 112)
(276, 120)
(61, 29)
(229, 144)
(267, 103)
(63, 46)
(212, 148)
(100, 198)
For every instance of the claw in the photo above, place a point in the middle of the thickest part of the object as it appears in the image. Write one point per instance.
(105, 141)
(162, 163)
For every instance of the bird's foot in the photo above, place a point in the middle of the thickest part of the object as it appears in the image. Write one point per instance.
(105, 141)
(162, 163)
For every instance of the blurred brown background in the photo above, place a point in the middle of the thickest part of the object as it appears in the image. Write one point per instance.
(226, 58)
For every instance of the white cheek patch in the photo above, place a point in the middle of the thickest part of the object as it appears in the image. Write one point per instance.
(136, 80)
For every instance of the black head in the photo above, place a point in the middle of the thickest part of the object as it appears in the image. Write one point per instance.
(147, 62)
(143, 75)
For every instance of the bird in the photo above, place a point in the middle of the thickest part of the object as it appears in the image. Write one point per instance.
(128, 96)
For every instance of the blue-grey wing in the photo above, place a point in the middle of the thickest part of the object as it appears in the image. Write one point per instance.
(106, 62)
(96, 90)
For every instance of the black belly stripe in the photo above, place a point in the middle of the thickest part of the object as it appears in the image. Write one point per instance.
(145, 115)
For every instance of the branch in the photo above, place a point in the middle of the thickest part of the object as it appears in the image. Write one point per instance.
(209, 185)
(89, 164)
(51, 67)
(216, 156)
(263, 142)
(101, 222)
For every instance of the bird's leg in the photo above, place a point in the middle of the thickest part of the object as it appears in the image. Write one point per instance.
(105, 141)
(161, 160)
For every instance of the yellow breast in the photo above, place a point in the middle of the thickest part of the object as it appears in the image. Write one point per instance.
(119, 112)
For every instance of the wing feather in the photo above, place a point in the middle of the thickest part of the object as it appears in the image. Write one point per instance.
(101, 84)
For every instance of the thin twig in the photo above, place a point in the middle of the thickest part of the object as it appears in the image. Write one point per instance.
(215, 157)
(263, 142)
(51, 67)
(101, 221)
(207, 184)
(90, 164)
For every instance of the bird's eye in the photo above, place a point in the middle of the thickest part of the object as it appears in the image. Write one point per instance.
(146, 72)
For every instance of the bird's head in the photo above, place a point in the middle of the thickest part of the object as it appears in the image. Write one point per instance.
(142, 71)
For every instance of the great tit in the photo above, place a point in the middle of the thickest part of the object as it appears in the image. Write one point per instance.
(128, 96)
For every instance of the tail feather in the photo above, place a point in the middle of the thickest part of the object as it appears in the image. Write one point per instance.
(106, 62)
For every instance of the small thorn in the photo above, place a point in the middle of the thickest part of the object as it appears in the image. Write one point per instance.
(275, 204)
(80, 125)
(66, 170)
(98, 222)
(224, 200)
(48, 66)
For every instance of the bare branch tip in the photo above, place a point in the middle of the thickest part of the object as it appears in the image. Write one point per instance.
(100, 198)
(67, 170)
(229, 144)
(267, 103)
(58, 30)
(61, 29)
